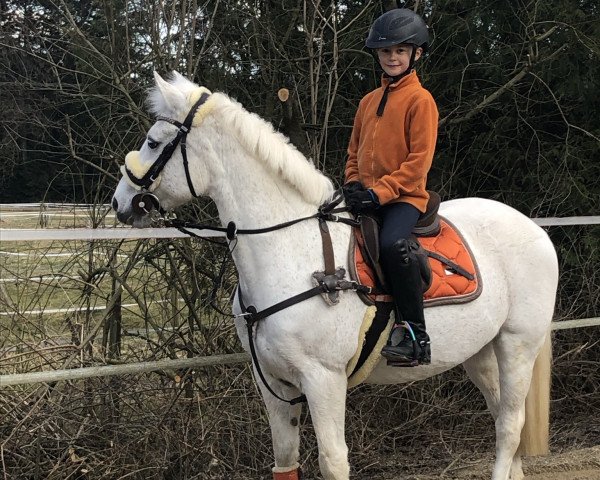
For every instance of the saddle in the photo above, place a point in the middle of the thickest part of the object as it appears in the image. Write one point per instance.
(448, 272)
(448, 269)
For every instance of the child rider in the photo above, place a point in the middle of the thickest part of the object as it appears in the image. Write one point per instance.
(389, 155)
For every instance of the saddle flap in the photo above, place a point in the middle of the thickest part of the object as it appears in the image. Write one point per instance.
(369, 229)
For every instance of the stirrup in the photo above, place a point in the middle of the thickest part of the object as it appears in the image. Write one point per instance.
(420, 356)
(401, 363)
(403, 360)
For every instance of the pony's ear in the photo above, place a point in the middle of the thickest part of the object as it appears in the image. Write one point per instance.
(176, 76)
(172, 98)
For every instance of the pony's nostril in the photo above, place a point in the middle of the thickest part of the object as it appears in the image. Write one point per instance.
(115, 204)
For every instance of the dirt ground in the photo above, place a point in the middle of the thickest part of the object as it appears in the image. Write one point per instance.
(581, 464)
(574, 465)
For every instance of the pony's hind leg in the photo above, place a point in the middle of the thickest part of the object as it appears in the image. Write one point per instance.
(516, 354)
(482, 369)
(284, 420)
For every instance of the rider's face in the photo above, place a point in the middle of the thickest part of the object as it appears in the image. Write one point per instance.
(395, 59)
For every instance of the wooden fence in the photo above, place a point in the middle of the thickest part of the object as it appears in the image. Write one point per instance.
(25, 235)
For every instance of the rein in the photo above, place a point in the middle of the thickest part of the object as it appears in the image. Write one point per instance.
(328, 283)
(231, 230)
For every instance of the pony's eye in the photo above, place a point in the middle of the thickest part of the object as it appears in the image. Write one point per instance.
(152, 144)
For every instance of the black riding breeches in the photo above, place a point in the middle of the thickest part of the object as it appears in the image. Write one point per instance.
(397, 221)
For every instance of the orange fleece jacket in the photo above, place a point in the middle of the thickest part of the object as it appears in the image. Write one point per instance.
(392, 154)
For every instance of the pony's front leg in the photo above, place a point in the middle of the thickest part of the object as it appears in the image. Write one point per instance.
(325, 391)
(284, 420)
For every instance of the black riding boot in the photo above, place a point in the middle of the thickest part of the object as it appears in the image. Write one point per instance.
(404, 279)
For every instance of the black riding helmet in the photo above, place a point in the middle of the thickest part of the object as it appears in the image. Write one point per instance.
(397, 26)
(400, 25)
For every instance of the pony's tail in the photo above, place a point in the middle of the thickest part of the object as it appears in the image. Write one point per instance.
(535, 433)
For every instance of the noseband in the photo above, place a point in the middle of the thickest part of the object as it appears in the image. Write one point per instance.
(157, 167)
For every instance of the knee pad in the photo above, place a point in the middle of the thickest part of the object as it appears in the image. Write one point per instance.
(399, 252)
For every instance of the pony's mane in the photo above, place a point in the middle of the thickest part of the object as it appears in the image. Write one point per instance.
(274, 150)
(260, 139)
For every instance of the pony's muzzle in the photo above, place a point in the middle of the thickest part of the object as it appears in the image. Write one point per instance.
(143, 203)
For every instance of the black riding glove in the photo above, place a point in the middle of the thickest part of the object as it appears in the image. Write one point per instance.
(362, 200)
(352, 187)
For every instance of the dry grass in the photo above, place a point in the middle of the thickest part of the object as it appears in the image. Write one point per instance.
(212, 424)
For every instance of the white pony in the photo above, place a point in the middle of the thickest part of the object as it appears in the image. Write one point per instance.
(258, 179)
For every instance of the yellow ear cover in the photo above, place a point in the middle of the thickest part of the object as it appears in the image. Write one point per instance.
(205, 108)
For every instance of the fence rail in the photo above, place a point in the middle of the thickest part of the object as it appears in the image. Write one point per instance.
(181, 363)
(119, 233)
(129, 368)
(89, 234)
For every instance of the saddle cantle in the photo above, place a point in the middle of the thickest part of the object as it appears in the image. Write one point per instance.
(448, 268)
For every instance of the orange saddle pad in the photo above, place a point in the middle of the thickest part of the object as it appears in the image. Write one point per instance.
(447, 286)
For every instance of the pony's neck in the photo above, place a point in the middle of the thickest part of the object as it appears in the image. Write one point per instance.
(252, 197)
(257, 179)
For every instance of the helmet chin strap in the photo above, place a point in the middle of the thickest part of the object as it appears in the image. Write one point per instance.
(395, 79)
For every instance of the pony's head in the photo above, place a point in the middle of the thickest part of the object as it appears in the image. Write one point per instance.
(154, 175)
(201, 142)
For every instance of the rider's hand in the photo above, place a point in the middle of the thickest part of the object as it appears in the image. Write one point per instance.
(352, 187)
(362, 200)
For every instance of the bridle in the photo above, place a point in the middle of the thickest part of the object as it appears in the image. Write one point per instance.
(157, 167)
